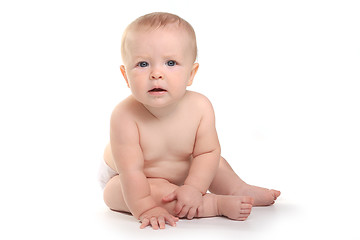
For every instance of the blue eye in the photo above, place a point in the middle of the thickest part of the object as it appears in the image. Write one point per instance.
(171, 63)
(142, 64)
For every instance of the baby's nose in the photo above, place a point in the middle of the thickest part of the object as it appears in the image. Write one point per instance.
(156, 76)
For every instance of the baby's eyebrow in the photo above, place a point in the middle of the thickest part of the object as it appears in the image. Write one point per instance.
(171, 55)
(140, 57)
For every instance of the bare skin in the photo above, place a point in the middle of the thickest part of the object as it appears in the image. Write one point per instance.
(233, 207)
(227, 182)
(163, 140)
(166, 168)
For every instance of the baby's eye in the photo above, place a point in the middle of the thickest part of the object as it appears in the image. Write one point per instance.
(143, 64)
(171, 63)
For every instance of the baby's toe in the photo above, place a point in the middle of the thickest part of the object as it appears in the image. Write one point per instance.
(275, 193)
(245, 211)
(247, 200)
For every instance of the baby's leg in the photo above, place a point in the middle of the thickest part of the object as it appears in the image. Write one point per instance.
(233, 207)
(227, 182)
(114, 199)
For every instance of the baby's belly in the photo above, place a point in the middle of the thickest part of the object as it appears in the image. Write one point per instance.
(173, 171)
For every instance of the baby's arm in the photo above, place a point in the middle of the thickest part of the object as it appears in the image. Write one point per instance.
(206, 157)
(129, 161)
(206, 151)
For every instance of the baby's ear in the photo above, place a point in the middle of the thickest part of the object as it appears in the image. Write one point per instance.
(193, 73)
(122, 69)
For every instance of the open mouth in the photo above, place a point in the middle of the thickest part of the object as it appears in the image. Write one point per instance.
(157, 90)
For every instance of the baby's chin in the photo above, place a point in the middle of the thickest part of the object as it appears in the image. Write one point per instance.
(160, 100)
(160, 104)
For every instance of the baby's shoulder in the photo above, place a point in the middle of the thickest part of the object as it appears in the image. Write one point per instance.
(123, 127)
(126, 110)
(198, 100)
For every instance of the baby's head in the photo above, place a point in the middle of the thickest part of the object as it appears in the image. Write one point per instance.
(155, 21)
(159, 53)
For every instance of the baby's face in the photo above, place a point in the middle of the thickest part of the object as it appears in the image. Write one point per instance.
(159, 65)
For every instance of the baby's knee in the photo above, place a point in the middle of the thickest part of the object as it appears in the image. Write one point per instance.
(113, 196)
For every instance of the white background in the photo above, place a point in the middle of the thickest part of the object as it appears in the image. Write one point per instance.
(283, 77)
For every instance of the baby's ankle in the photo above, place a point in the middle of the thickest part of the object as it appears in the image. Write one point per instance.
(210, 207)
(219, 204)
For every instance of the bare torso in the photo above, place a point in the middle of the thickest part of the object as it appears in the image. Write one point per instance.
(166, 144)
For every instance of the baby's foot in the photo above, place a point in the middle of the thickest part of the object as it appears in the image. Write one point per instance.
(234, 207)
(261, 196)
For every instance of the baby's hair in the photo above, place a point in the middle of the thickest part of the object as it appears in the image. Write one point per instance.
(157, 20)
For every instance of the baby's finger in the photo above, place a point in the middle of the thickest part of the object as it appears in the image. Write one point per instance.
(191, 213)
(184, 211)
(171, 220)
(154, 223)
(170, 197)
(144, 223)
(161, 221)
(179, 206)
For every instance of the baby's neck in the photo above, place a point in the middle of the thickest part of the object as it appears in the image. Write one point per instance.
(163, 112)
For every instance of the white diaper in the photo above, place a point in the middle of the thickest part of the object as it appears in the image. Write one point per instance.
(105, 174)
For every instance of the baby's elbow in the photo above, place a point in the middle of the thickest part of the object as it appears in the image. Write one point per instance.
(217, 153)
(217, 150)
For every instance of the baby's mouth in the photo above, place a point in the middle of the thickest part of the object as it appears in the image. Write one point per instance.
(155, 90)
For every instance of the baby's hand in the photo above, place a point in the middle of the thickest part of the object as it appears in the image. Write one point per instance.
(189, 200)
(156, 217)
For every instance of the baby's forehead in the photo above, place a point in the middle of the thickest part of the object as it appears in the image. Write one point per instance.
(171, 29)
(175, 32)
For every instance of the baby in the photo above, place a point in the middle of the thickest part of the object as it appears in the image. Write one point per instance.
(163, 161)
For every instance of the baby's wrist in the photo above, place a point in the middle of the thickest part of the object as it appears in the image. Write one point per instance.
(142, 206)
(193, 187)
